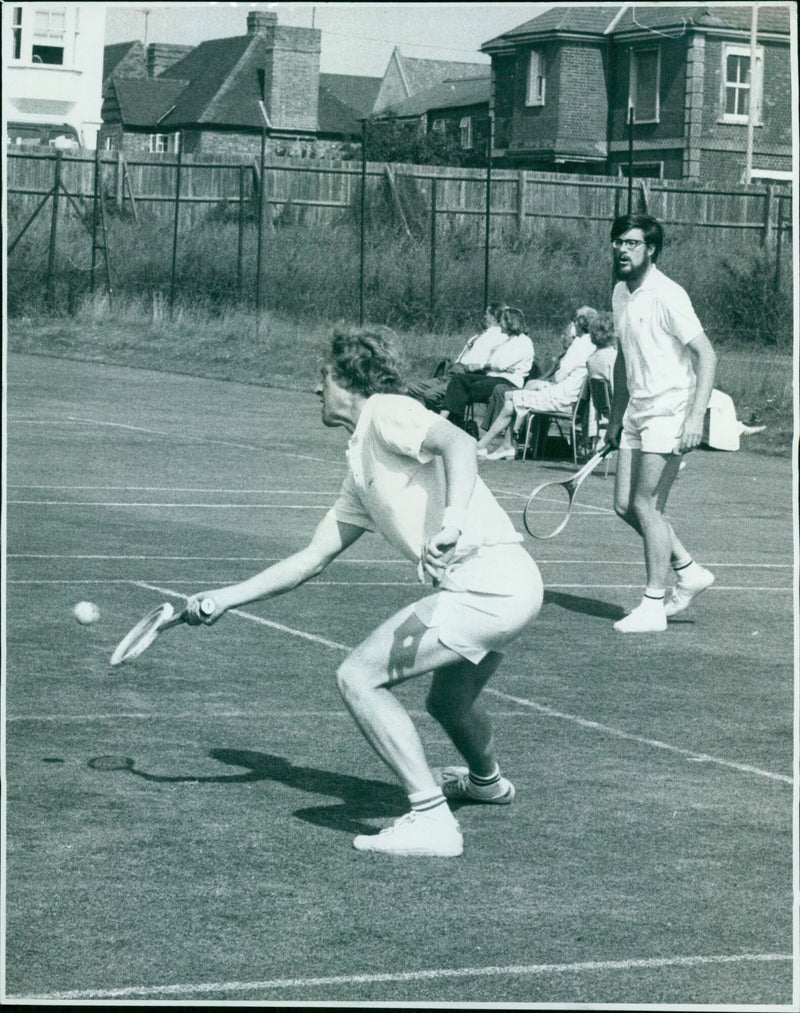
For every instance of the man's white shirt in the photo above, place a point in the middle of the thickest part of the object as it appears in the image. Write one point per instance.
(654, 324)
(478, 350)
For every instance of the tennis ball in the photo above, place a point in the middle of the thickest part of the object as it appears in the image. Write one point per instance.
(86, 612)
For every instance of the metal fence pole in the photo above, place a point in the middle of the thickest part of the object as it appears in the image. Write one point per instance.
(432, 309)
(95, 215)
(178, 166)
(630, 159)
(51, 257)
(240, 240)
(363, 224)
(260, 244)
(489, 142)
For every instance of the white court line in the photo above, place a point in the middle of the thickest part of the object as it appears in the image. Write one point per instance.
(169, 488)
(172, 506)
(642, 740)
(376, 561)
(256, 619)
(388, 583)
(435, 974)
(541, 708)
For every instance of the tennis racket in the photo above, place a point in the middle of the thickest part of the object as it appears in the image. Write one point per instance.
(146, 630)
(550, 504)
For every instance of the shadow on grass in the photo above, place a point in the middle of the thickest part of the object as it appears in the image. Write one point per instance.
(586, 606)
(359, 797)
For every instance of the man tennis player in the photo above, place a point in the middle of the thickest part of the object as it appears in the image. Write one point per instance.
(663, 377)
(412, 476)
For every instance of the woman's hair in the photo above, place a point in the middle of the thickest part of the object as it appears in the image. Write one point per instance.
(651, 230)
(585, 315)
(513, 321)
(366, 361)
(601, 330)
(496, 309)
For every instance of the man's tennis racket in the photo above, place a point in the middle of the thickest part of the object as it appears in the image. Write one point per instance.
(550, 504)
(146, 630)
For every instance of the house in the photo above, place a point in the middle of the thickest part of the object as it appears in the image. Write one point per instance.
(456, 109)
(52, 72)
(406, 77)
(218, 98)
(578, 87)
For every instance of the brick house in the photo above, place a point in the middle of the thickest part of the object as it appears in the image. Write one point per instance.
(219, 97)
(457, 109)
(565, 81)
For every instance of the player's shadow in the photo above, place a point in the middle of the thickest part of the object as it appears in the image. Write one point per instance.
(359, 797)
(586, 606)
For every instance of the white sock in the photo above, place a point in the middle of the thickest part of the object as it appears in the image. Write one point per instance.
(429, 802)
(686, 572)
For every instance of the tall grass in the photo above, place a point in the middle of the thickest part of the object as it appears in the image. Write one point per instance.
(311, 272)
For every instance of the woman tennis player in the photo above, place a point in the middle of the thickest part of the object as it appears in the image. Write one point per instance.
(412, 476)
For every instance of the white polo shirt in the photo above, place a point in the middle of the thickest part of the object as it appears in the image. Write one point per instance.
(654, 325)
(396, 488)
(478, 350)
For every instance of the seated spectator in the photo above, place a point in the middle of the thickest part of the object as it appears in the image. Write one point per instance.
(601, 362)
(509, 363)
(473, 357)
(558, 394)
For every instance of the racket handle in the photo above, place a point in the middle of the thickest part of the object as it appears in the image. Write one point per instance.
(207, 608)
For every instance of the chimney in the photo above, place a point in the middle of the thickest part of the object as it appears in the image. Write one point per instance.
(259, 22)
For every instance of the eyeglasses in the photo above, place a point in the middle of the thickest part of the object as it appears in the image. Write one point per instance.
(627, 244)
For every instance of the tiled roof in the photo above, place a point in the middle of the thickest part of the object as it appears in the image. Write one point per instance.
(421, 74)
(574, 18)
(143, 101)
(114, 55)
(224, 84)
(356, 93)
(447, 95)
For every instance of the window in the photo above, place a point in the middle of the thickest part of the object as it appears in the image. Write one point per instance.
(739, 86)
(536, 79)
(642, 170)
(466, 131)
(48, 36)
(160, 144)
(16, 31)
(439, 127)
(644, 83)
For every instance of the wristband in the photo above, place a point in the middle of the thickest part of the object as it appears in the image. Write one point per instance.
(453, 518)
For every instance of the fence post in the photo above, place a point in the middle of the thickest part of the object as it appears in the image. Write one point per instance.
(489, 142)
(175, 223)
(778, 244)
(363, 223)
(769, 207)
(120, 180)
(522, 183)
(51, 258)
(260, 243)
(433, 254)
(95, 214)
(240, 240)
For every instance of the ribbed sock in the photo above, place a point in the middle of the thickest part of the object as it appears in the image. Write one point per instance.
(427, 801)
(485, 782)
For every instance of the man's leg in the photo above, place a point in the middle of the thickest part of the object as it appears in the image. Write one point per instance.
(401, 648)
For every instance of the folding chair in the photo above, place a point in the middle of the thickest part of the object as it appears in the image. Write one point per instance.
(600, 396)
(572, 425)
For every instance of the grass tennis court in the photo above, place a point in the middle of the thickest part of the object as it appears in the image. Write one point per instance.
(179, 829)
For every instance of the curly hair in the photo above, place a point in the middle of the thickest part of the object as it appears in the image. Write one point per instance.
(513, 321)
(601, 330)
(366, 361)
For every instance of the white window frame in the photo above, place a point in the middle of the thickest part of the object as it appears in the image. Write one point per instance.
(439, 126)
(465, 127)
(49, 36)
(755, 87)
(633, 83)
(170, 142)
(622, 169)
(537, 78)
(16, 33)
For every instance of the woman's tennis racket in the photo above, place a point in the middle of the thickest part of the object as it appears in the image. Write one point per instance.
(146, 630)
(550, 504)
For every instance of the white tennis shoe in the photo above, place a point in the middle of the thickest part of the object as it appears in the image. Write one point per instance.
(417, 834)
(456, 785)
(683, 592)
(644, 619)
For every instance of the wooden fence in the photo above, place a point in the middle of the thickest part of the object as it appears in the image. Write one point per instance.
(324, 191)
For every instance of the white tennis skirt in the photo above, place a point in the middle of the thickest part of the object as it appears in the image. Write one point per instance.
(473, 622)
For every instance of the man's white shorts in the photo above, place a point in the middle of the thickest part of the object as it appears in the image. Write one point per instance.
(472, 623)
(654, 425)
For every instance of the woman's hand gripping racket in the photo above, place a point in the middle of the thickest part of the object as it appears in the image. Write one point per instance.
(146, 630)
(550, 504)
